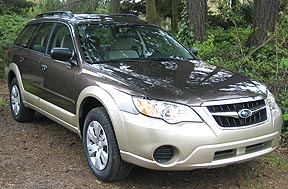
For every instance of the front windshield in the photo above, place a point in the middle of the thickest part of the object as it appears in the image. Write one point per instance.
(117, 42)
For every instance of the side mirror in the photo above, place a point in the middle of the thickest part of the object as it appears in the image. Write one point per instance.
(194, 51)
(62, 54)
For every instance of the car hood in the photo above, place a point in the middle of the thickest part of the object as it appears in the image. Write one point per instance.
(185, 81)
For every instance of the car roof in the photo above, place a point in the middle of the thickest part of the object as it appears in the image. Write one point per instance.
(68, 16)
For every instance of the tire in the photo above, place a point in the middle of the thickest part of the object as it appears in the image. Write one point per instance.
(101, 148)
(19, 112)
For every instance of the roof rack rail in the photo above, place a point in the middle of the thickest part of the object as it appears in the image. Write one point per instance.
(126, 15)
(68, 14)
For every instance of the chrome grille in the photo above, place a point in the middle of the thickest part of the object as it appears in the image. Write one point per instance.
(227, 115)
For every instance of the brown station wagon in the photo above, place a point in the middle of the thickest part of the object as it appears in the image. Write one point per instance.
(137, 96)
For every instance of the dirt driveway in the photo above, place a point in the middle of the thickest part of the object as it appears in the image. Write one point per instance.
(42, 154)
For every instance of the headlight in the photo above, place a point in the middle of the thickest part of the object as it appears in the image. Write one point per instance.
(271, 101)
(169, 112)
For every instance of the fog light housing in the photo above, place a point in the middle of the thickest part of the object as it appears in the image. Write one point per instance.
(163, 154)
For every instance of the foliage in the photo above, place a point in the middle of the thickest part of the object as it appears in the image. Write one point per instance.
(14, 14)
(1, 102)
(226, 45)
(10, 26)
(76, 6)
(14, 6)
(227, 17)
(185, 31)
(132, 7)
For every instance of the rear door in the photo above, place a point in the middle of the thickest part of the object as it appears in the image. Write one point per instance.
(25, 59)
(29, 49)
(37, 50)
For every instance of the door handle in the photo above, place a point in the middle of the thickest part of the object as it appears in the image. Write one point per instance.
(43, 67)
(21, 59)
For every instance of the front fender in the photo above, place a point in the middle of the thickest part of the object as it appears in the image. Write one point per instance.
(111, 107)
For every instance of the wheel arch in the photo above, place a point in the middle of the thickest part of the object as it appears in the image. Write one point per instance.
(87, 104)
(10, 76)
(11, 72)
(92, 97)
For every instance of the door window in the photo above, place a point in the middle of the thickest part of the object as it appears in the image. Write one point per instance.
(61, 38)
(40, 40)
(25, 36)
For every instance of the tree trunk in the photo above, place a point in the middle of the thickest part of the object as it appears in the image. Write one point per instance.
(114, 6)
(265, 16)
(152, 15)
(174, 17)
(197, 12)
(234, 3)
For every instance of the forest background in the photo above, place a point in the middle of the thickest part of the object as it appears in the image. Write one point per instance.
(248, 36)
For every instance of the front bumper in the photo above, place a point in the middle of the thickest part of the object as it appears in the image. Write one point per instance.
(196, 145)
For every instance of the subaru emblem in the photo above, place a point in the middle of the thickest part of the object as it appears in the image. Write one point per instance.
(245, 113)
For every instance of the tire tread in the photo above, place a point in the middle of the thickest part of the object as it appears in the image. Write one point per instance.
(25, 114)
(119, 168)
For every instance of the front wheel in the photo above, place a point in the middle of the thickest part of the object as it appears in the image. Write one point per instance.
(101, 148)
(19, 112)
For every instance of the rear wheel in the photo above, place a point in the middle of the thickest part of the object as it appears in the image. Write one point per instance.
(101, 147)
(19, 111)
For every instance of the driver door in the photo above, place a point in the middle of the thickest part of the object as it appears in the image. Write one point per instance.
(59, 76)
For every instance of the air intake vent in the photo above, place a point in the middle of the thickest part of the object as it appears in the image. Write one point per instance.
(258, 147)
(224, 154)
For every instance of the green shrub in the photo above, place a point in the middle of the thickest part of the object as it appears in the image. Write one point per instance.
(10, 26)
(228, 47)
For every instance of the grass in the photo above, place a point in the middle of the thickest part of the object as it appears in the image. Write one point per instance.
(1, 102)
(277, 160)
(267, 171)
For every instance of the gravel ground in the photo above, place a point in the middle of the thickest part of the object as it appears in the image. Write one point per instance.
(43, 154)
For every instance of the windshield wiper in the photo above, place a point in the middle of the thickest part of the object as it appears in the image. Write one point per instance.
(167, 58)
(161, 58)
(140, 59)
(117, 60)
